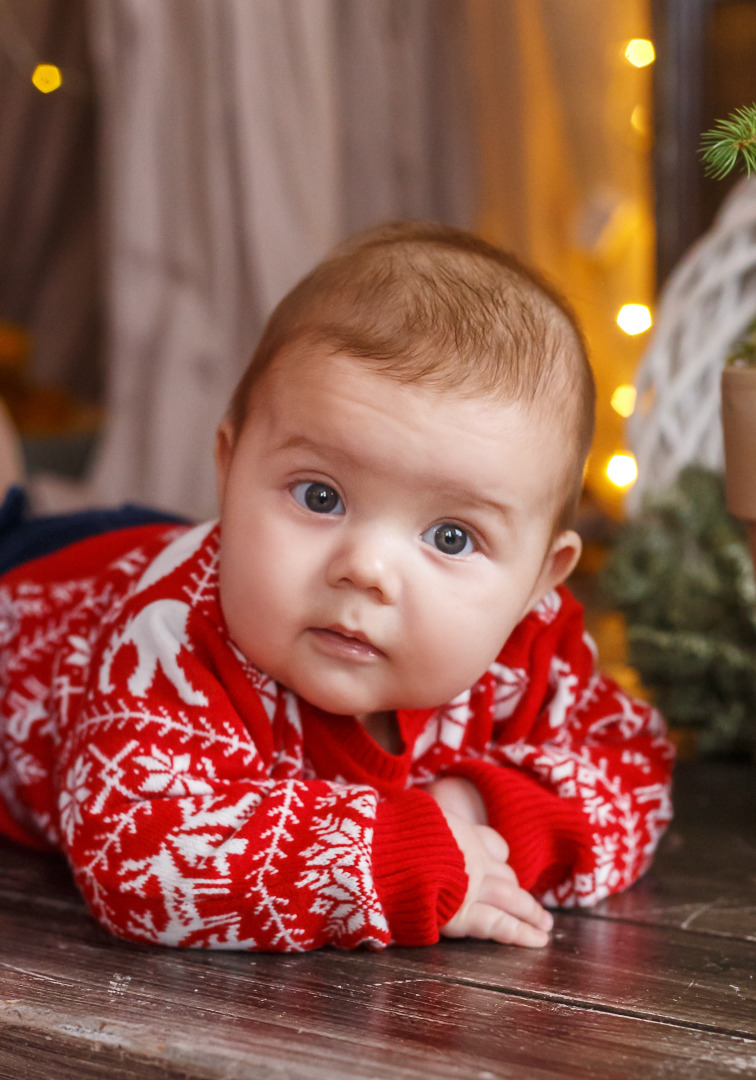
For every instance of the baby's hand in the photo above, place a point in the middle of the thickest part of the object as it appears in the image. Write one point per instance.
(495, 908)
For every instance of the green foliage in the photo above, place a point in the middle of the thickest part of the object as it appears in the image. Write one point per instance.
(743, 352)
(721, 148)
(730, 141)
(681, 573)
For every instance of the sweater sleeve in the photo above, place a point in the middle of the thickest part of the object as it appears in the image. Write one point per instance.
(577, 774)
(185, 816)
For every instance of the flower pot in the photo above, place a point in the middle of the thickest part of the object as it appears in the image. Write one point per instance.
(739, 426)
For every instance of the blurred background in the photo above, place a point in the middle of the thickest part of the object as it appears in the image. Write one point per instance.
(169, 168)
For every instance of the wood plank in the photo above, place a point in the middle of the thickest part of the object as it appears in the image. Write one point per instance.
(641, 987)
(704, 876)
(638, 971)
(101, 1003)
(42, 879)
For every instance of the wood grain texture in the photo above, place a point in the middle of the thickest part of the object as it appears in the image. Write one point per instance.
(656, 983)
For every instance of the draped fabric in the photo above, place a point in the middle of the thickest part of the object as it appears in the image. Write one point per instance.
(239, 139)
(48, 254)
(241, 142)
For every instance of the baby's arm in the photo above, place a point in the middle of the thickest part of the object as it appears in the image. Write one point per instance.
(495, 907)
(191, 814)
(575, 773)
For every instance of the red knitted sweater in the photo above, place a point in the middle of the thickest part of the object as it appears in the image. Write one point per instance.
(200, 803)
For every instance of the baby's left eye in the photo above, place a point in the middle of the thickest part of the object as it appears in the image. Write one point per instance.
(450, 539)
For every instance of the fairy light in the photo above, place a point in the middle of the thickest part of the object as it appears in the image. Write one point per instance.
(622, 470)
(640, 52)
(46, 78)
(623, 400)
(639, 120)
(634, 318)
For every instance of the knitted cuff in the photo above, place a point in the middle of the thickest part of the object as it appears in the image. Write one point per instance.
(418, 869)
(547, 836)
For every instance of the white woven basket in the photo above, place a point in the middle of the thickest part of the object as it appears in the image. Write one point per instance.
(706, 305)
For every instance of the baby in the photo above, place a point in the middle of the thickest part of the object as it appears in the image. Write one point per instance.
(361, 708)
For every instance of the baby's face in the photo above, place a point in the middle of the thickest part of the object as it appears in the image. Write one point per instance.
(380, 542)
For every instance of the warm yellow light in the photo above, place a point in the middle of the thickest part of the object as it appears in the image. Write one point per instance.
(639, 120)
(622, 470)
(623, 400)
(47, 77)
(634, 318)
(640, 52)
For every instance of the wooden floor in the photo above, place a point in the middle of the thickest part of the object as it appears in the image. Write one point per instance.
(659, 982)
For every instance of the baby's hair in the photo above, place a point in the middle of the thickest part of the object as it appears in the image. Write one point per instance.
(431, 304)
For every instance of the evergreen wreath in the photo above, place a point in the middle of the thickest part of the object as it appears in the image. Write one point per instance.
(681, 573)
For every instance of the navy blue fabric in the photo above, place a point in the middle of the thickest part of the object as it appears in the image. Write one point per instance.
(23, 537)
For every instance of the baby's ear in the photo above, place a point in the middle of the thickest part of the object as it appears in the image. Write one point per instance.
(224, 451)
(560, 561)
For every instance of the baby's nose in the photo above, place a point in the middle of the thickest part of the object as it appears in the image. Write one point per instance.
(369, 561)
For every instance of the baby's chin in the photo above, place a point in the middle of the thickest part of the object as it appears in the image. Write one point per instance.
(358, 706)
(341, 705)
(335, 700)
(348, 697)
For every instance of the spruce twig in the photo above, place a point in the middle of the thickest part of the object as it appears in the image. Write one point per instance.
(730, 141)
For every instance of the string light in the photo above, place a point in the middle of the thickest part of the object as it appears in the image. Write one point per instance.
(640, 52)
(46, 78)
(623, 400)
(639, 120)
(634, 318)
(622, 470)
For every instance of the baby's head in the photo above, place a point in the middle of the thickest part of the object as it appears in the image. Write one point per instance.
(398, 469)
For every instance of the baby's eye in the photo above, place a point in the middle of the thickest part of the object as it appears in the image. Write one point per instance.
(318, 497)
(450, 539)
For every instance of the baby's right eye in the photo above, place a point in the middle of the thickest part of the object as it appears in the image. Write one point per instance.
(318, 497)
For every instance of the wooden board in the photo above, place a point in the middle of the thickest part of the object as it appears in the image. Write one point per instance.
(659, 982)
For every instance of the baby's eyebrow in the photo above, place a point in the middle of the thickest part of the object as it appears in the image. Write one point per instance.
(304, 442)
(464, 498)
(474, 500)
(298, 442)
(326, 452)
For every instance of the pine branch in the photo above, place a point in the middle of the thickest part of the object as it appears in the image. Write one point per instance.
(730, 141)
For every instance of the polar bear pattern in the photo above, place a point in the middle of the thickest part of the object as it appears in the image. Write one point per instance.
(158, 633)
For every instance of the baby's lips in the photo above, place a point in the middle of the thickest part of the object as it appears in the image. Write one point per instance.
(347, 642)
(357, 635)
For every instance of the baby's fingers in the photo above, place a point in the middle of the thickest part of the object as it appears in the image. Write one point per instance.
(511, 900)
(495, 845)
(492, 924)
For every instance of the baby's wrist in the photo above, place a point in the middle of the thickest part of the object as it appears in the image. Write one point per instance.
(459, 796)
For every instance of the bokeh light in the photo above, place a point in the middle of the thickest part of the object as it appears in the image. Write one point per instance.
(634, 318)
(623, 400)
(622, 470)
(47, 77)
(640, 52)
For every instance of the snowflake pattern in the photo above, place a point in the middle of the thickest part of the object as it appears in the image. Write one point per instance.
(74, 793)
(196, 811)
(339, 872)
(168, 774)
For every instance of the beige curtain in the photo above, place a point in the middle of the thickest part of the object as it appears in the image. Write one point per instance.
(240, 141)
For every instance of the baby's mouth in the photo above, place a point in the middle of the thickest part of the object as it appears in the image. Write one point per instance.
(339, 640)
